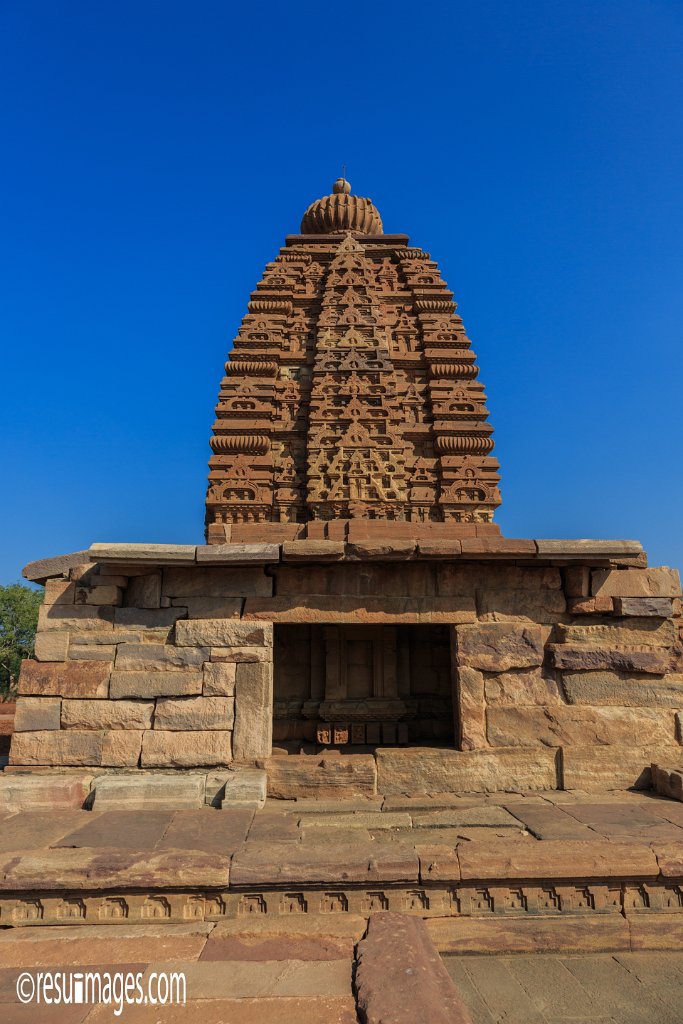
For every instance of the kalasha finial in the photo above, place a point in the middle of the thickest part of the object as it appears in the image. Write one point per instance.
(341, 187)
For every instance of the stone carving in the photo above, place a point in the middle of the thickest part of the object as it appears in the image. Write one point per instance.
(351, 390)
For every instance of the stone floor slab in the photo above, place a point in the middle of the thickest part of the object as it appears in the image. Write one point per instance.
(119, 830)
(243, 979)
(95, 944)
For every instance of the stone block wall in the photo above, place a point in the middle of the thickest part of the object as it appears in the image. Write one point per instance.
(150, 669)
(171, 665)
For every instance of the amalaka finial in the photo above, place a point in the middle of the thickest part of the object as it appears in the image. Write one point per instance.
(341, 187)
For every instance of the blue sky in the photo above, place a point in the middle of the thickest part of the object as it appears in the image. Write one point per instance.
(156, 154)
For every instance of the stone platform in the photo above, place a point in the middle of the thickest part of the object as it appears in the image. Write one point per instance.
(542, 872)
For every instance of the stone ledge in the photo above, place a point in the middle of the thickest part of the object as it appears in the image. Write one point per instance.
(238, 554)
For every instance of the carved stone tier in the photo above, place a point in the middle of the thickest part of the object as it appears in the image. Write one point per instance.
(351, 392)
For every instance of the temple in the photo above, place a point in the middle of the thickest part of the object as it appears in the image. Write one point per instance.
(354, 596)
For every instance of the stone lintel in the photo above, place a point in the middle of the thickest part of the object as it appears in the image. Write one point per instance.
(490, 549)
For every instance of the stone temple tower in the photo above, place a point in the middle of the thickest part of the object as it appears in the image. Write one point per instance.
(351, 391)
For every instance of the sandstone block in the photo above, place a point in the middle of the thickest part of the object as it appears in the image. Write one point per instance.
(369, 610)
(590, 605)
(92, 652)
(661, 582)
(99, 595)
(238, 554)
(588, 548)
(59, 591)
(253, 735)
(400, 977)
(144, 591)
(382, 550)
(148, 618)
(107, 714)
(417, 770)
(453, 579)
(64, 679)
(583, 657)
(560, 726)
(222, 633)
(297, 776)
(142, 684)
(317, 863)
(544, 606)
(623, 689)
(211, 581)
(522, 688)
(219, 679)
(576, 581)
(211, 607)
(159, 657)
(51, 792)
(498, 547)
(189, 713)
(165, 749)
(237, 655)
(600, 768)
(75, 618)
(312, 551)
(556, 858)
(439, 548)
(245, 787)
(636, 632)
(35, 714)
(148, 792)
(60, 565)
(63, 747)
(52, 646)
(168, 553)
(121, 748)
(471, 715)
(497, 646)
(640, 606)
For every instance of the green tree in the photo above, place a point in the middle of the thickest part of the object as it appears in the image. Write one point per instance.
(18, 621)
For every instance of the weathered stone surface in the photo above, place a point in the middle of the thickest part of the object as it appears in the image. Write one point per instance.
(219, 679)
(588, 548)
(144, 591)
(238, 554)
(313, 551)
(669, 858)
(253, 735)
(644, 632)
(92, 652)
(107, 714)
(42, 792)
(576, 581)
(557, 726)
(660, 582)
(99, 944)
(121, 748)
(52, 646)
(454, 580)
(624, 689)
(657, 606)
(211, 607)
(400, 977)
(498, 646)
(57, 747)
(100, 869)
(366, 610)
(70, 617)
(544, 606)
(159, 657)
(37, 713)
(46, 568)
(98, 595)
(65, 679)
(162, 749)
(319, 776)
(439, 548)
(59, 591)
(584, 657)
(156, 684)
(471, 716)
(237, 655)
(611, 767)
(215, 582)
(148, 791)
(222, 633)
(318, 862)
(522, 687)
(186, 713)
(431, 770)
(556, 858)
(167, 553)
(245, 787)
(497, 933)
(148, 618)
